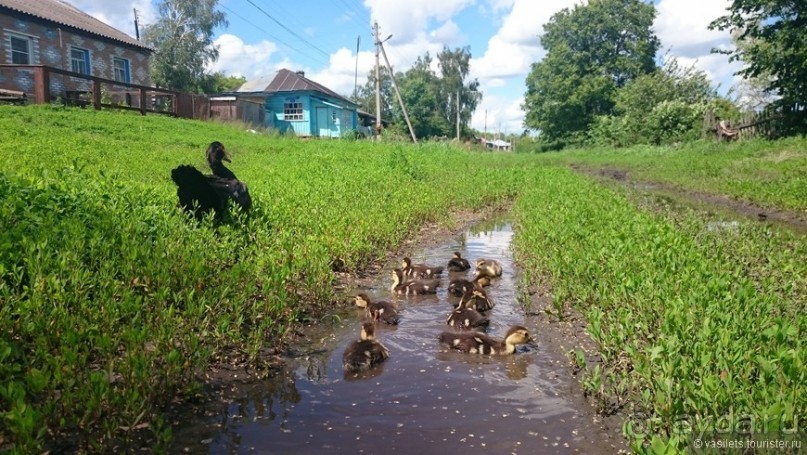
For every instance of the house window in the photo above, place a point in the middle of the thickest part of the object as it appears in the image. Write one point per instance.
(293, 111)
(80, 60)
(20, 49)
(121, 68)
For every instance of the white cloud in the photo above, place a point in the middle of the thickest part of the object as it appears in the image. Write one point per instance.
(449, 32)
(683, 26)
(408, 20)
(233, 53)
(119, 14)
(516, 44)
(501, 115)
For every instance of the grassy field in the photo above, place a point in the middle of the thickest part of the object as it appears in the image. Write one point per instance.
(700, 319)
(770, 174)
(113, 300)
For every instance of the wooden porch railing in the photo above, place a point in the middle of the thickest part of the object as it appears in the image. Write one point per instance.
(110, 93)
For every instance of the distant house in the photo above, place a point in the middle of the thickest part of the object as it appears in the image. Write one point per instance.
(497, 144)
(296, 104)
(56, 34)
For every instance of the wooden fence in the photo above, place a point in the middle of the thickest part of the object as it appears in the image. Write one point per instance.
(45, 84)
(769, 124)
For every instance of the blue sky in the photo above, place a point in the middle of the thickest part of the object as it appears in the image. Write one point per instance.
(319, 37)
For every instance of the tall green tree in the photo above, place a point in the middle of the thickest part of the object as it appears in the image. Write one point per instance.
(365, 97)
(182, 39)
(420, 91)
(773, 44)
(218, 82)
(592, 50)
(458, 97)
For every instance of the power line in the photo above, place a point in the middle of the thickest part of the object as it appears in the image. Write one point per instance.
(273, 37)
(293, 33)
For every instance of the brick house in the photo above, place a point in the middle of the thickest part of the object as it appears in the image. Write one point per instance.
(56, 34)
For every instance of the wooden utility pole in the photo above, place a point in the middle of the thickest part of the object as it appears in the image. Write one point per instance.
(397, 92)
(137, 26)
(377, 86)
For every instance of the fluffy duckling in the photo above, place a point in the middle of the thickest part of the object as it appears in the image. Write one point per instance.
(479, 343)
(488, 267)
(419, 270)
(459, 286)
(362, 354)
(467, 318)
(477, 299)
(413, 287)
(381, 310)
(457, 263)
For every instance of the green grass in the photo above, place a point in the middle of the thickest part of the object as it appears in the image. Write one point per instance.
(771, 174)
(695, 323)
(113, 300)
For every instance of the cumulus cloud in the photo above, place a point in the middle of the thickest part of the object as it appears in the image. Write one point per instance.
(498, 114)
(233, 52)
(119, 14)
(683, 26)
(408, 20)
(516, 44)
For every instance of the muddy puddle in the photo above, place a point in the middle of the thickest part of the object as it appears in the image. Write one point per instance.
(424, 399)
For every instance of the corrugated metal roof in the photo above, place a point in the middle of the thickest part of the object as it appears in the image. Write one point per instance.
(288, 81)
(64, 13)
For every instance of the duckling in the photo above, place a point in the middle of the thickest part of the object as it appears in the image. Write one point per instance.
(380, 310)
(457, 263)
(488, 267)
(477, 299)
(479, 343)
(467, 318)
(419, 270)
(362, 354)
(412, 287)
(459, 286)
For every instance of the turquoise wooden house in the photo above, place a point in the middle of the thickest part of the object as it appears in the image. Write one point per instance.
(295, 104)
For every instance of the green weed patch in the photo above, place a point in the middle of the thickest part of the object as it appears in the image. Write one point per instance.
(113, 299)
(695, 325)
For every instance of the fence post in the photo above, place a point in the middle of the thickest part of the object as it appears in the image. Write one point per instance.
(142, 101)
(96, 94)
(41, 85)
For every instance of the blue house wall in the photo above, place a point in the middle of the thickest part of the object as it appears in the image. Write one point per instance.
(322, 115)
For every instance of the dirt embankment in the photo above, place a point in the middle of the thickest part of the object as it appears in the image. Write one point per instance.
(792, 220)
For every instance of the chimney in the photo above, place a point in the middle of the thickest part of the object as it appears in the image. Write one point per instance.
(301, 73)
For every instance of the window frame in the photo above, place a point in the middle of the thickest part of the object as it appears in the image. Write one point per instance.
(126, 70)
(29, 45)
(293, 111)
(84, 61)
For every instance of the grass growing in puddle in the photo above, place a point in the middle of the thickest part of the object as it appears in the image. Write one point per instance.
(694, 324)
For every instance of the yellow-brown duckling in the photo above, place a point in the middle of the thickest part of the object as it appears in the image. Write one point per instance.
(361, 355)
(480, 343)
(419, 270)
(467, 318)
(488, 267)
(412, 287)
(378, 311)
(457, 263)
(477, 299)
(459, 286)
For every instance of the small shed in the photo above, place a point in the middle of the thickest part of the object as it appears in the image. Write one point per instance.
(232, 108)
(296, 104)
(498, 144)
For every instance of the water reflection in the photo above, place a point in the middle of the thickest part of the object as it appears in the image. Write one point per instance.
(423, 398)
